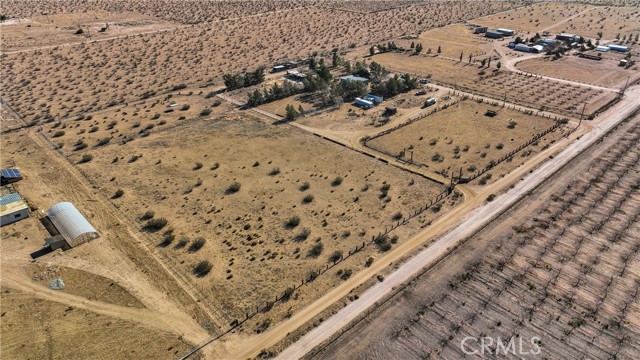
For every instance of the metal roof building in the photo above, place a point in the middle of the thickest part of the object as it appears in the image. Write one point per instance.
(71, 224)
(354, 78)
(12, 209)
(8, 176)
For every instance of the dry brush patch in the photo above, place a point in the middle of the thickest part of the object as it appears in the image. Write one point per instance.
(270, 204)
(462, 136)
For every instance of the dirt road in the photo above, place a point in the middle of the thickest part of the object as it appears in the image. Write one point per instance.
(473, 221)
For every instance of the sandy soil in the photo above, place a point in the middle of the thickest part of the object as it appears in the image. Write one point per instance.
(604, 72)
(608, 20)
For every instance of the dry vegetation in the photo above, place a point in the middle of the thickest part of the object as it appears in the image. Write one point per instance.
(566, 273)
(607, 21)
(259, 205)
(66, 81)
(604, 72)
(462, 136)
(533, 92)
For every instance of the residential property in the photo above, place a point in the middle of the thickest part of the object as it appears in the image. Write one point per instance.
(353, 78)
(365, 104)
(374, 98)
(8, 176)
(506, 32)
(619, 48)
(13, 208)
(493, 34)
(71, 225)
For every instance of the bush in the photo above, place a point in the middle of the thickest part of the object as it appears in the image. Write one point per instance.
(118, 194)
(335, 256)
(58, 134)
(512, 124)
(383, 243)
(86, 158)
(344, 275)
(197, 245)
(103, 141)
(491, 197)
(316, 250)
(185, 107)
(154, 225)
(292, 222)
(205, 112)
(79, 31)
(233, 188)
(337, 181)
(275, 171)
(198, 166)
(304, 187)
(182, 243)
(303, 235)
(369, 262)
(147, 215)
(167, 240)
(202, 268)
(307, 199)
(133, 158)
(397, 216)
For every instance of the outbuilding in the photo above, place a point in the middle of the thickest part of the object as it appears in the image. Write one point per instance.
(523, 48)
(374, 98)
(493, 34)
(480, 30)
(602, 48)
(565, 37)
(619, 48)
(365, 104)
(74, 228)
(13, 208)
(506, 32)
(354, 78)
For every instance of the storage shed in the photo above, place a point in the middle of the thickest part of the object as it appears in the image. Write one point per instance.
(619, 48)
(506, 32)
(354, 78)
(602, 48)
(374, 98)
(493, 34)
(12, 209)
(365, 104)
(523, 48)
(73, 227)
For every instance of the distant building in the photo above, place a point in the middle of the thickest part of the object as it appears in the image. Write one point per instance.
(567, 37)
(523, 48)
(9, 176)
(295, 75)
(353, 78)
(12, 209)
(374, 98)
(493, 34)
(480, 30)
(278, 68)
(619, 48)
(506, 32)
(365, 104)
(537, 48)
(602, 48)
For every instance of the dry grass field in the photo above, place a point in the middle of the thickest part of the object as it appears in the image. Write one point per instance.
(533, 18)
(604, 72)
(50, 30)
(562, 266)
(33, 328)
(66, 81)
(295, 192)
(533, 92)
(608, 21)
(461, 136)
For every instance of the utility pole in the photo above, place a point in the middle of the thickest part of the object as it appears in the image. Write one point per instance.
(625, 87)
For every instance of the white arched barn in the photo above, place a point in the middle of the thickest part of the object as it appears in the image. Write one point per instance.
(73, 227)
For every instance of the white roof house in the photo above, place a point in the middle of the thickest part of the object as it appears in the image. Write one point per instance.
(71, 224)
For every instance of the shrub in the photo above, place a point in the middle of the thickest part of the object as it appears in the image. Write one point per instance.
(210, 95)
(79, 31)
(103, 141)
(58, 134)
(167, 240)
(316, 250)
(205, 112)
(198, 166)
(182, 243)
(79, 145)
(335, 256)
(185, 107)
(304, 187)
(337, 181)
(491, 197)
(397, 216)
(344, 275)
(307, 199)
(369, 262)
(233, 188)
(432, 142)
(383, 243)
(197, 245)
(118, 194)
(155, 225)
(86, 158)
(133, 158)
(275, 171)
(202, 268)
(303, 235)
(292, 222)
(147, 215)
(512, 124)
(215, 166)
